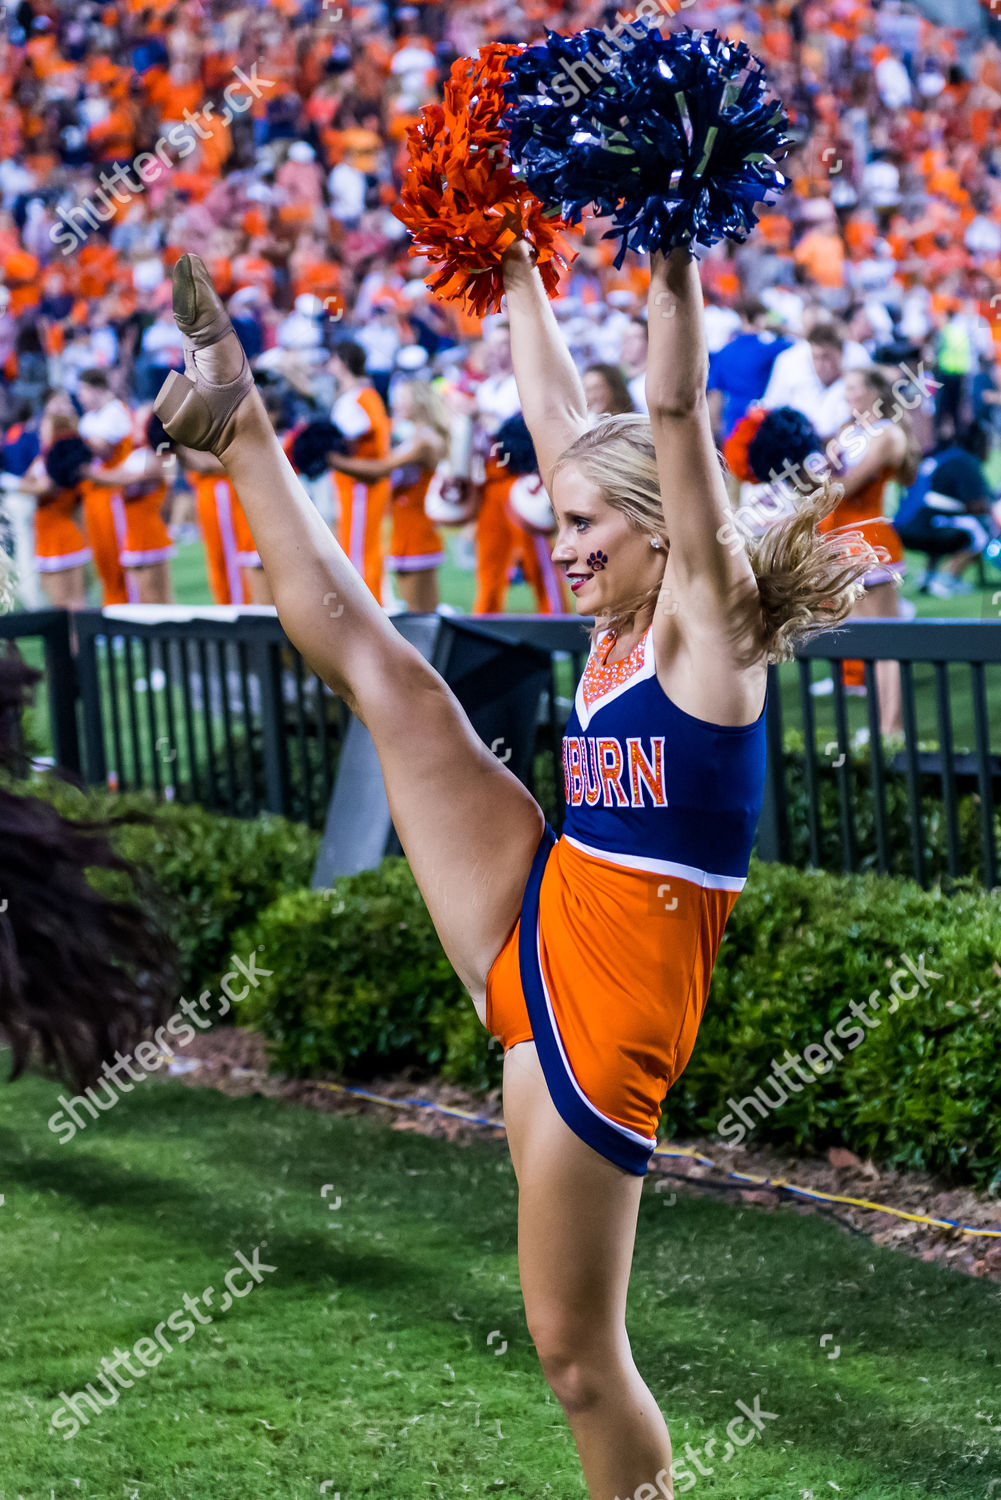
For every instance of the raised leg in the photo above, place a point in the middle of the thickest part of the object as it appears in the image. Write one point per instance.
(468, 827)
(576, 1229)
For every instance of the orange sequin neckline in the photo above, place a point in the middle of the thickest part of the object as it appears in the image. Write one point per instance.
(602, 677)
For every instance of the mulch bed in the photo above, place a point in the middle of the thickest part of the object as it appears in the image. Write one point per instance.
(235, 1062)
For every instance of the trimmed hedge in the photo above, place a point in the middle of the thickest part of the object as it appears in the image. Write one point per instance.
(217, 873)
(360, 984)
(921, 1088)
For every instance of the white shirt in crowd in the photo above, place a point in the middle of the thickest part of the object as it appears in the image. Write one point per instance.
(109, 424)
(637, 389)
(496, 400)
(794, 382)
(347, 187)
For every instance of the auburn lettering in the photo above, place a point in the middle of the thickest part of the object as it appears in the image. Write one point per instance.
(600, 771)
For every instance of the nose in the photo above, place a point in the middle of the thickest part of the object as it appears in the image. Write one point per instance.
(563, 549)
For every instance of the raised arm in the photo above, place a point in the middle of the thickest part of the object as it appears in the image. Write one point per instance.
(549, 387)
(693, 491)
(706, 580)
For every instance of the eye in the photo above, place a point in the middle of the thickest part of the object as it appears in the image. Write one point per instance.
(579, 521)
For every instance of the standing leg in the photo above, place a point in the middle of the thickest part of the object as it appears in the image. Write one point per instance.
(881, 600)
(576, 1229)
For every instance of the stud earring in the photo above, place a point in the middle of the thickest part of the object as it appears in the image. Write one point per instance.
(655, 541)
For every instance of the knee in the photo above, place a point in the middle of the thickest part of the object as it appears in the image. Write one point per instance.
(576, 1368)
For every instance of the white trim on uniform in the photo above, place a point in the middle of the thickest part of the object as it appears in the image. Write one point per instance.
(648, 669)
(62, 563)
(661, 867)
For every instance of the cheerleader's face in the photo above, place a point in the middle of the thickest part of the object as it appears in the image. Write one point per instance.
(604, 558)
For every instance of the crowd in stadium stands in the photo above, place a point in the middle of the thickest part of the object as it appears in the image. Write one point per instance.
(270, 138)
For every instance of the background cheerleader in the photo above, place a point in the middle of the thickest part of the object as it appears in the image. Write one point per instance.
(416, 550)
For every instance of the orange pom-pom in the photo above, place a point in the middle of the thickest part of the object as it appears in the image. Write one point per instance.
(459, 199)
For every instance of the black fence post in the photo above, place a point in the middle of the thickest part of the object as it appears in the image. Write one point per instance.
(267, 656)
(773, 826)
(95, 770)
(63, 690)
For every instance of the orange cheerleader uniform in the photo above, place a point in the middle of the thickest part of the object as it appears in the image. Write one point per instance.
(247, 555)
(864, 512)
(362, 417)
(59, 542)
(607, 968)
(147, 539)
(494, 539)
(216, 506)
(415, 542)
(104, 509)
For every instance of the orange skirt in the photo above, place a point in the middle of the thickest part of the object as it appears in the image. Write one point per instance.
(415, 542)
(607, 969)
(147, 539)
(59, 542)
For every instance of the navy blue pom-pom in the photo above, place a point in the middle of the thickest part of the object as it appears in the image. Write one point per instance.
(66, 461)
(311, 446)
(673, 137)
(514, 448)
(784, 435)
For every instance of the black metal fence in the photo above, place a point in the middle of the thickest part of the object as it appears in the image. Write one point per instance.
(224, 712)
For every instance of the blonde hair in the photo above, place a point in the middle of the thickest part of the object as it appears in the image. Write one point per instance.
(878, 381)
(428, 407)
(807, 581)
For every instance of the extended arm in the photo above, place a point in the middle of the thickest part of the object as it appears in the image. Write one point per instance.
(705, 579)
(418, 451)
(549, 387)
(882, 450)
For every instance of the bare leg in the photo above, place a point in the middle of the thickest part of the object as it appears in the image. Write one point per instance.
(152, 583)
(419, 590)
(576, 1229)
(65, 590)
(882, 600)
(468, 827)
(257, 587)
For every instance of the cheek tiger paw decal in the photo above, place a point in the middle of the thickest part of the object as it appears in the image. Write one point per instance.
(597, 561)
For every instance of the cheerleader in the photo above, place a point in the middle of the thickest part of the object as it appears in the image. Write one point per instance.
(61, 547)
(106, 426)
(589, 956)
(416, 548)
(875, 448)
(143, 479)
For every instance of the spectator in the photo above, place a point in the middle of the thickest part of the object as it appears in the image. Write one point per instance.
(809, 377)
(946, 512)
(606, 391)
(740, 371)
(633, 350)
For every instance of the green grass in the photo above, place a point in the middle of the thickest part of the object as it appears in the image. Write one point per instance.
(387, 1356)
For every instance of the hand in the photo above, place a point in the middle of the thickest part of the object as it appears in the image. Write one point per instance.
(519, 253)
